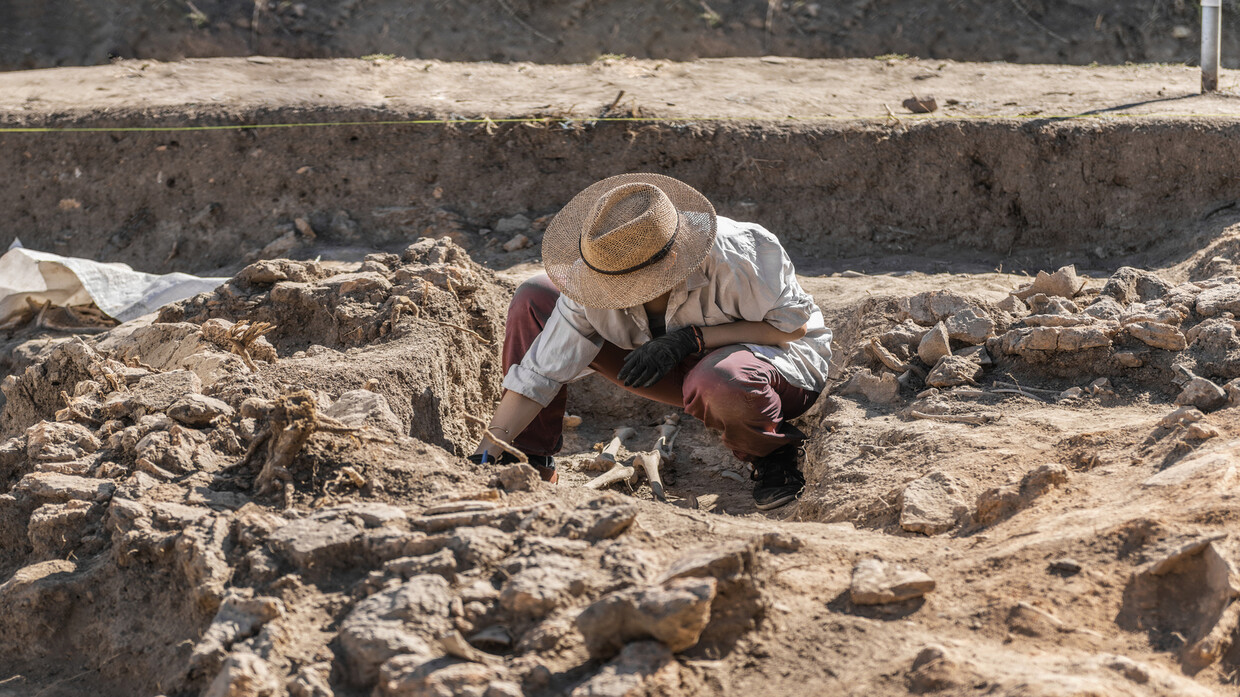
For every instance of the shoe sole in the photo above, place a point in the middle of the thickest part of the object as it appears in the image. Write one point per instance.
(782, 501)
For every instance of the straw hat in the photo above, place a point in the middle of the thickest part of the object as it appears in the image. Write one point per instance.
(628, 239)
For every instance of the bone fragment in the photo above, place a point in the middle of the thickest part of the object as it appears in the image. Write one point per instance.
(607, 458)
(650, 463)
(667, 437)
(625, 473)
(975, 419)
(886, 357)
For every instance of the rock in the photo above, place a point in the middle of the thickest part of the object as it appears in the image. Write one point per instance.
(517, 242)
(977, 354)
(933, 504)
(243, 675)
(1158, 334)
(413, 676)
(953, 371)
(877, 389)
(1065, 566)
(970, 326)
(1072, 393)
(1181, 417)
(1200, 431)
(50, 441)
(195, 410)
(642, 668)
(237, 619)
(934, 670)
(728, 562)
(1128, 359)
(158, 392)
(512, 225)
(1013, 305)
(600, 519)
(1218, 300)
(1040, 304)
(518, 477)
(675, 613)
(310, 543)
(1105, 308)
(934, 345)
(442, 563)
(311, 681)
(402, 620)
(1063, 283)
(59, 488)
(1029, 620)
(876, 583)
(1203, 394)
(536, 591)
(358, 408)
(55, 528)
(933, 306)
(358, 284)
(1128, 285)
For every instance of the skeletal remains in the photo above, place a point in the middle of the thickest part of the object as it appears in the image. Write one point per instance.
(649, 460)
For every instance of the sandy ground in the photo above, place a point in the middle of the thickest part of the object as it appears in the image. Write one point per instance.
(771, 88)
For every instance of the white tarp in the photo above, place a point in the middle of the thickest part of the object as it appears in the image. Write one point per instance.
(117, 289)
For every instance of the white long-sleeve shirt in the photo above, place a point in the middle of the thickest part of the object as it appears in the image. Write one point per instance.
(747, 276)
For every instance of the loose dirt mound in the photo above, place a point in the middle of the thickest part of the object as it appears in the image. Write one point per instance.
(256, 494)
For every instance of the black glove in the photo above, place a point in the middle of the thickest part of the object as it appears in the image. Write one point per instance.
(648, 363)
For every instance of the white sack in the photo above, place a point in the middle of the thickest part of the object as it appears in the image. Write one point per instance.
(117, 289)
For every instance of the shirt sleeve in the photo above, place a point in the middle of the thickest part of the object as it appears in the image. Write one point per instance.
(561, 352)
(766, 283)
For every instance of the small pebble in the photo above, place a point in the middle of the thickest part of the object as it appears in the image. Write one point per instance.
(1066, 566)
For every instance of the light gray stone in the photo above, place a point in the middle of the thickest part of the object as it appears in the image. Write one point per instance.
(1203, 394)
(876, 583)
(675, 613)
(953, 371)
(358, 408)
(933, 504)
(401, 621)
(970, 326)
(196, 410)
(934, 345)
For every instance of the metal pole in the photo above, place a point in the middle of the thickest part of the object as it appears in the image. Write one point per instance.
(1211, 30)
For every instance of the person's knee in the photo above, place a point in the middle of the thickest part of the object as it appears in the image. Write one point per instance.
(537, 294)
(714, 387)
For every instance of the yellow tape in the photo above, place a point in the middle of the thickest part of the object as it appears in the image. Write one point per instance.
(567, 120)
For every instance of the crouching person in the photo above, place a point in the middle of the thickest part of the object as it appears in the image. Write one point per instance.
(648, 287)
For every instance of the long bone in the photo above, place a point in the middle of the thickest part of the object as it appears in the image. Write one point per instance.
(619, 473)
(607, 458)
(662, 453)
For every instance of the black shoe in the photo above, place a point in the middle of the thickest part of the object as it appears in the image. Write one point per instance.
(543, 464)
(779, 480)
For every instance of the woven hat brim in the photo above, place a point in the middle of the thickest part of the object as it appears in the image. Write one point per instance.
(695, 235)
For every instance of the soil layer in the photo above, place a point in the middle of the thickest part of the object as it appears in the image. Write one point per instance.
(1099, 163)
(39, 34)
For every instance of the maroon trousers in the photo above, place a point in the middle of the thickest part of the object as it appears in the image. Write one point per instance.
(729, 388)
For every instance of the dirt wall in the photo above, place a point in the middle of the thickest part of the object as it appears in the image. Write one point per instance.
(196, 201)
(41, 34)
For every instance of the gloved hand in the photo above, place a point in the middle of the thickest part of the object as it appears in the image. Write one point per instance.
(651, 361)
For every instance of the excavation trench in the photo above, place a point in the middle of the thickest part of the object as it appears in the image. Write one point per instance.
(273, 470)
